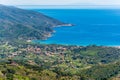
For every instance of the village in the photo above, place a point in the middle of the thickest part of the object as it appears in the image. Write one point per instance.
(48, 50)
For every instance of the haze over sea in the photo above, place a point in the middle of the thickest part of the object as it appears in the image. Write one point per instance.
(92, 26)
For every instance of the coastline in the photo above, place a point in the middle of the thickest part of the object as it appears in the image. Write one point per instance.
(49, 35)
(43, 41)
(85, 34)
(50, 43)
(116, 47)
(64, 25)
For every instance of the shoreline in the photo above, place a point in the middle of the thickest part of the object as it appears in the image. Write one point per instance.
(116, 47)
(40, 42)
(67, 25)
(51, 33)
(64, 25)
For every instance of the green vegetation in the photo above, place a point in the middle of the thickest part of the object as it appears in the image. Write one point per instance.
(25, 24)
(29, 61)
(21, 60)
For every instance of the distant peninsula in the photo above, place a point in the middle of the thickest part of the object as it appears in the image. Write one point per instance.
(26, 24)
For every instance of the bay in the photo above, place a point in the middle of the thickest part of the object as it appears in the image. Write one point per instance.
(91, 26)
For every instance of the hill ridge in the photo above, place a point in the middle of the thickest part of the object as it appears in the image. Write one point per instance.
(25, 24)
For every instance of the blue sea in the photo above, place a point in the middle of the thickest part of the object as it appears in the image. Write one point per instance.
(91, 26)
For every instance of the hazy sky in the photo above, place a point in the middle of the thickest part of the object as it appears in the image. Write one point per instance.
(60, 2)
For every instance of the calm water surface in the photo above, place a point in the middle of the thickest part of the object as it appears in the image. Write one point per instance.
(100, 27)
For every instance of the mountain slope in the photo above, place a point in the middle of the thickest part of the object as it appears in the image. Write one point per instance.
(25, 24)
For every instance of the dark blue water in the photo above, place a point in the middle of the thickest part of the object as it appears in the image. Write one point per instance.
(100, 27)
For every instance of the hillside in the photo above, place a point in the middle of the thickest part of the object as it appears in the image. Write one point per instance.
(27, 61)
(25, 24)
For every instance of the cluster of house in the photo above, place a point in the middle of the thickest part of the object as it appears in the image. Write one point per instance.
(46, 50)
(35, 50)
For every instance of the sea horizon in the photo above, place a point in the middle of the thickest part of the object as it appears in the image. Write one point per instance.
(68, 6)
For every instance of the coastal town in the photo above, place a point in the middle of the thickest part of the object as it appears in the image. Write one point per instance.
(59, 59)
(41, 49)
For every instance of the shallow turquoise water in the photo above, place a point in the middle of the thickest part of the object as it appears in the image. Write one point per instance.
(100, 27)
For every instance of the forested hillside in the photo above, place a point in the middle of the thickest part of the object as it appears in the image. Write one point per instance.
(25, 24)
